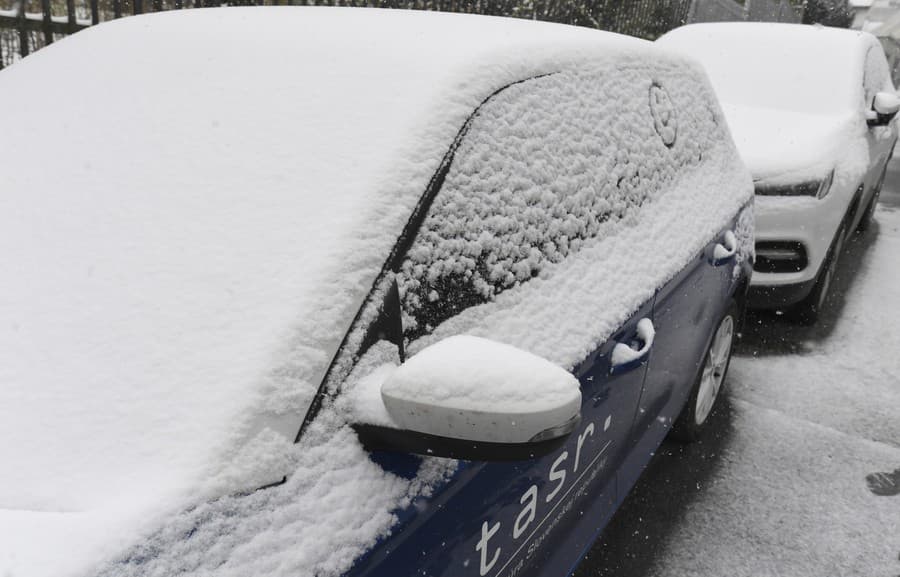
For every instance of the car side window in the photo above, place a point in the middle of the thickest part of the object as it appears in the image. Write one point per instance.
(876, 76)
(547, 165)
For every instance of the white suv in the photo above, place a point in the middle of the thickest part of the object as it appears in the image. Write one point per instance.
(811, 110)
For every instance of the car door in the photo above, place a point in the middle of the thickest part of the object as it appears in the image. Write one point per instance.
(686, 311)
(528, 517)
(532, 517)
(879, 139)
(544, 194)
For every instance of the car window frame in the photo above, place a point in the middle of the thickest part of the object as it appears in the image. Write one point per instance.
(868, 99)
(330, 385)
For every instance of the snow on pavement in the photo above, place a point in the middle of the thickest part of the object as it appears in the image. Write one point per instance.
(845, 373)
(814, 412)
(790, 498)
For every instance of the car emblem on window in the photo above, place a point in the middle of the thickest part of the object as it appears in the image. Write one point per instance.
(663, 114)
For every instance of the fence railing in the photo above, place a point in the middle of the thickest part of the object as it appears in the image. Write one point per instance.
(716, 11)
(752, 10)
(28, 25)
(773, 11)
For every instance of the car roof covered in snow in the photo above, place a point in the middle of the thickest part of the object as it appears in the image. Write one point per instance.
(788, 66)
(189, 229)
(792, 94)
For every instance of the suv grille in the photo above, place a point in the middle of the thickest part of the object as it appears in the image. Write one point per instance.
(780, 256)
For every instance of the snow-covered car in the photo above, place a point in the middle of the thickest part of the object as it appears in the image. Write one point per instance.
(372, 293)
(810, 109)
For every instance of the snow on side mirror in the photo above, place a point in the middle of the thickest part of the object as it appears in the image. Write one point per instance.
(475, 399)
(885, 106)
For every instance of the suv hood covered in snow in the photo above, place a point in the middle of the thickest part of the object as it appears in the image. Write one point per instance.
(784, 146)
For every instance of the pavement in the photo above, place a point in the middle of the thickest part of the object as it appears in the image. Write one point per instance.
(800, 475)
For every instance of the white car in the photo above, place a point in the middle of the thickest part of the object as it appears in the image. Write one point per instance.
(811, 110)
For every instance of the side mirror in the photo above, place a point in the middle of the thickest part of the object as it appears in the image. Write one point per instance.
(884, 108)
(475, 399)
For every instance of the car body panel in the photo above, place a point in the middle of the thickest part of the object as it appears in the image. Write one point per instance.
(469, 525)
(535, 518)
(686, 311)
(488, 498)
(810, 221)
(196, 252)
(643, 197)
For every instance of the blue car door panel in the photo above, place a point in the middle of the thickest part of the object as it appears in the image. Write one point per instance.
(686, 310)
(536, 517)
(681, 315)
(527, 517)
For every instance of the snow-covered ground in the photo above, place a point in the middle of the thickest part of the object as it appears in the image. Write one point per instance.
(800, 479)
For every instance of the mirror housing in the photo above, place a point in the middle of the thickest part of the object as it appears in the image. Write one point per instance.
(475, 399)
(884, 108)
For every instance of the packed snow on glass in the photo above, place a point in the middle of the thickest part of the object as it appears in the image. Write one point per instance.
(175, 298)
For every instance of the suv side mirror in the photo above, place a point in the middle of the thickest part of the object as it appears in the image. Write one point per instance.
(884, 107)
(475, 399)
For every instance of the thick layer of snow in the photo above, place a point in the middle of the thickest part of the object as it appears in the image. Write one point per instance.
(782, 488)
(180, 281)
(785, 147)
(475, 374)
(472, 388)
(176, 285)
(628, 238)
(623, 353)
(562, 313)
(333, 508)
(792, 67)
(793, 95)
(789, 497)
(569, 312)
(609, 199)
(847, 381)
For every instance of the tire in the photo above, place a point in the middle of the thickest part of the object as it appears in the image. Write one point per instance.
(701, 403)
(808, 310)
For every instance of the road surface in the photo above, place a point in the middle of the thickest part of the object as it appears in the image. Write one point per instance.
(802, 475)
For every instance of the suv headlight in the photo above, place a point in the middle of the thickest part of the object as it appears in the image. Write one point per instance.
(816, 188)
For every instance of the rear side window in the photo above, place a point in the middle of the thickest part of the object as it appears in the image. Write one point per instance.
(547, 165)
(876, 76)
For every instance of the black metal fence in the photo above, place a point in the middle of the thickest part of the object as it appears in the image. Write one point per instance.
(28, 25)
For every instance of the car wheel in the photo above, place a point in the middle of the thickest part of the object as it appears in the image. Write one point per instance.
(701, 403)
(808, 311)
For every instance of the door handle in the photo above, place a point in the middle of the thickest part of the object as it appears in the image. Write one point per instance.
(625, 357)
(724, 251)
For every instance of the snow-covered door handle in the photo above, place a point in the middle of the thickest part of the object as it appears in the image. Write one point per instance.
(625, 357)
(724, 251)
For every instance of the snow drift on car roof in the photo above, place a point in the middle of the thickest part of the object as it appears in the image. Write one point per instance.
(189, 231)
(783, 66)
(659, 207)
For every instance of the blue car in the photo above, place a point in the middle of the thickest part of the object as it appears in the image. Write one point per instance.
(376, 293)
